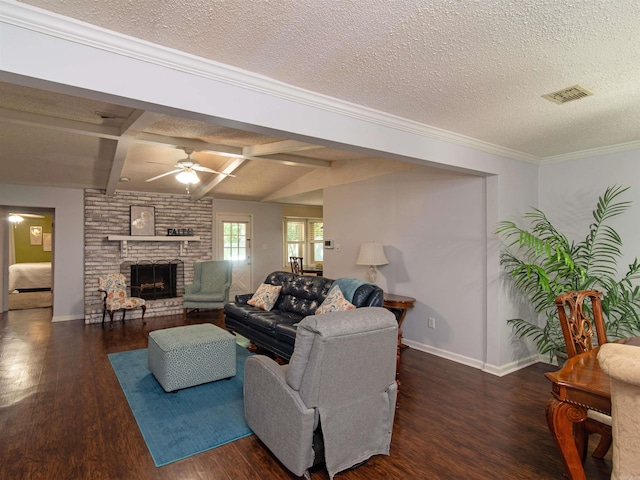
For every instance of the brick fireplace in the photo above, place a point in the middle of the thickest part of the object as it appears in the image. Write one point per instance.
(109, 216)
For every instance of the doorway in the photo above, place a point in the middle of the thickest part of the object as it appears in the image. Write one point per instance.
(234, 243)
(28, 245)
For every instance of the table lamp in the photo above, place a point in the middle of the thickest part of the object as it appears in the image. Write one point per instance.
(372, 254)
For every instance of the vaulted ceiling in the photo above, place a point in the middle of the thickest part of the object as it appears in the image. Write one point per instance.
(467, 70)
(49, 138)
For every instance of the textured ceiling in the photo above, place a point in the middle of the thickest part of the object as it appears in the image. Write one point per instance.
(476, 68)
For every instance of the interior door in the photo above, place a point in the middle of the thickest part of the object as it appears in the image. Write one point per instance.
(234, 243)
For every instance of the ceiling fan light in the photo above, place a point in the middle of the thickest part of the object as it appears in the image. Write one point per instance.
(15, 218)
(188, 177)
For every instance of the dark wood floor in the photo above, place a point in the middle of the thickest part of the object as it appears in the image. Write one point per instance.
(64, 416)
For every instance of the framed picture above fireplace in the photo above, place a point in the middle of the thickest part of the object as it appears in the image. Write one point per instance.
(143, 220)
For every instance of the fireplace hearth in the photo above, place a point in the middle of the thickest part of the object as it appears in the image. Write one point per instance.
(155, 280)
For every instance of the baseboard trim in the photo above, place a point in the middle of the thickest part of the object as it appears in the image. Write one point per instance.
(502, 370)
(66, 318)
(497, 370)
(471, 362)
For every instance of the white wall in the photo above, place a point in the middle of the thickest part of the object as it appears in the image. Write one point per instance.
(438, 230)
(431, 223)
(570, 190)
(509, 194)
(68, 242)
(267, 235)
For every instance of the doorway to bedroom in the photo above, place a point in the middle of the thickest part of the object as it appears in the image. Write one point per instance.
(30, 253)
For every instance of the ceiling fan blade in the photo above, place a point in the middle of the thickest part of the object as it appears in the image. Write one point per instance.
(158, 163)
(163, 175)
(200, 168)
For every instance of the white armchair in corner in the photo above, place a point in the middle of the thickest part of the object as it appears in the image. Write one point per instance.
(622, 363)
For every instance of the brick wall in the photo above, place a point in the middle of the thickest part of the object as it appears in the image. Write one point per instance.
(105, 216)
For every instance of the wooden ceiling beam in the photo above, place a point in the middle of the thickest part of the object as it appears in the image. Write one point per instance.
(132, 126)
(284, 146)
(294, 161)
(59, 124)
(229, 167)
(196, 145)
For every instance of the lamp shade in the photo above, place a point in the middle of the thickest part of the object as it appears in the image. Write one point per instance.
(371, 253)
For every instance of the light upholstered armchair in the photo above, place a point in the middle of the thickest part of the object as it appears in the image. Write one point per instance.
(210, 287)
(337, 394)
(622, 364)
(114, 297)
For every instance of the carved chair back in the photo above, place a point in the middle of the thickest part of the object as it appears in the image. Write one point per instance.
(296, 265)
(579, 320)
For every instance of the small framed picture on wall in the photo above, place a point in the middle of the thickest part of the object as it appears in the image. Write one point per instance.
(35, 235)
(143, 221)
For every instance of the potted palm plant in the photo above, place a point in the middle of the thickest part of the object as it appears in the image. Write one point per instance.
(543, 262)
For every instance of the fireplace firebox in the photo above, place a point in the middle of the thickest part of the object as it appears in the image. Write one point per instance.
(153, 281)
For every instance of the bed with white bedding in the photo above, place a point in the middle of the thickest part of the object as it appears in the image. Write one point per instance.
(30, 276)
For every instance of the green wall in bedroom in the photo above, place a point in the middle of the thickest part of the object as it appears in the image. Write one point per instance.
(25, 252)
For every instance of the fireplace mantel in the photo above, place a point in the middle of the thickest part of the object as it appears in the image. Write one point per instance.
(123, 239)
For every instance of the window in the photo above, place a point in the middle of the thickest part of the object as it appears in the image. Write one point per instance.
(304, 238)
(316, 234)
(234, 241)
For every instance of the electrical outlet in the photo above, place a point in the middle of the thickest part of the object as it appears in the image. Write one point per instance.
(432, 322)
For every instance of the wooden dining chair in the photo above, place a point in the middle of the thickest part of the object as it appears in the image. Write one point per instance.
(579, 321)
(296, 265)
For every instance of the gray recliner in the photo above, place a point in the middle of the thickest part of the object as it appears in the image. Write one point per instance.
(341, 378)
(210, 287)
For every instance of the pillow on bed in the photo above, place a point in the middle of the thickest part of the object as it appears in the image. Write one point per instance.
(266, 296)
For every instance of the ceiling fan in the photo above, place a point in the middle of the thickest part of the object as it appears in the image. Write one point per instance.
(186, 170)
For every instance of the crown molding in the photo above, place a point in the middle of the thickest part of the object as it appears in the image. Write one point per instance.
(567, 157)
(49, 23)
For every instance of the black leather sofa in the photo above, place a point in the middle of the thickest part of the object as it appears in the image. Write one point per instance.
(300, 296)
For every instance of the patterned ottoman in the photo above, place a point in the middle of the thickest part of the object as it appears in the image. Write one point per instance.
(182, 357)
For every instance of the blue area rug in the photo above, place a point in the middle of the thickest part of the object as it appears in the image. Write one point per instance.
(193, 420)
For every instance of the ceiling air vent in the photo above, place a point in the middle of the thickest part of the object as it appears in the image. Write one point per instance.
(568, 94)
(108, 115)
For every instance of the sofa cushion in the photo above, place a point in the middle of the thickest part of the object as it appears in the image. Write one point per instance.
(335, 302)
(303, 294)
(267, 321)
(265, 297)
(286, 332)
(239, 311)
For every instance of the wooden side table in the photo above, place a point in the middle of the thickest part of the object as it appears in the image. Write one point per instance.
(398, 305)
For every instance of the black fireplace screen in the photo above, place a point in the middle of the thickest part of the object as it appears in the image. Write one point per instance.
(154, 280)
